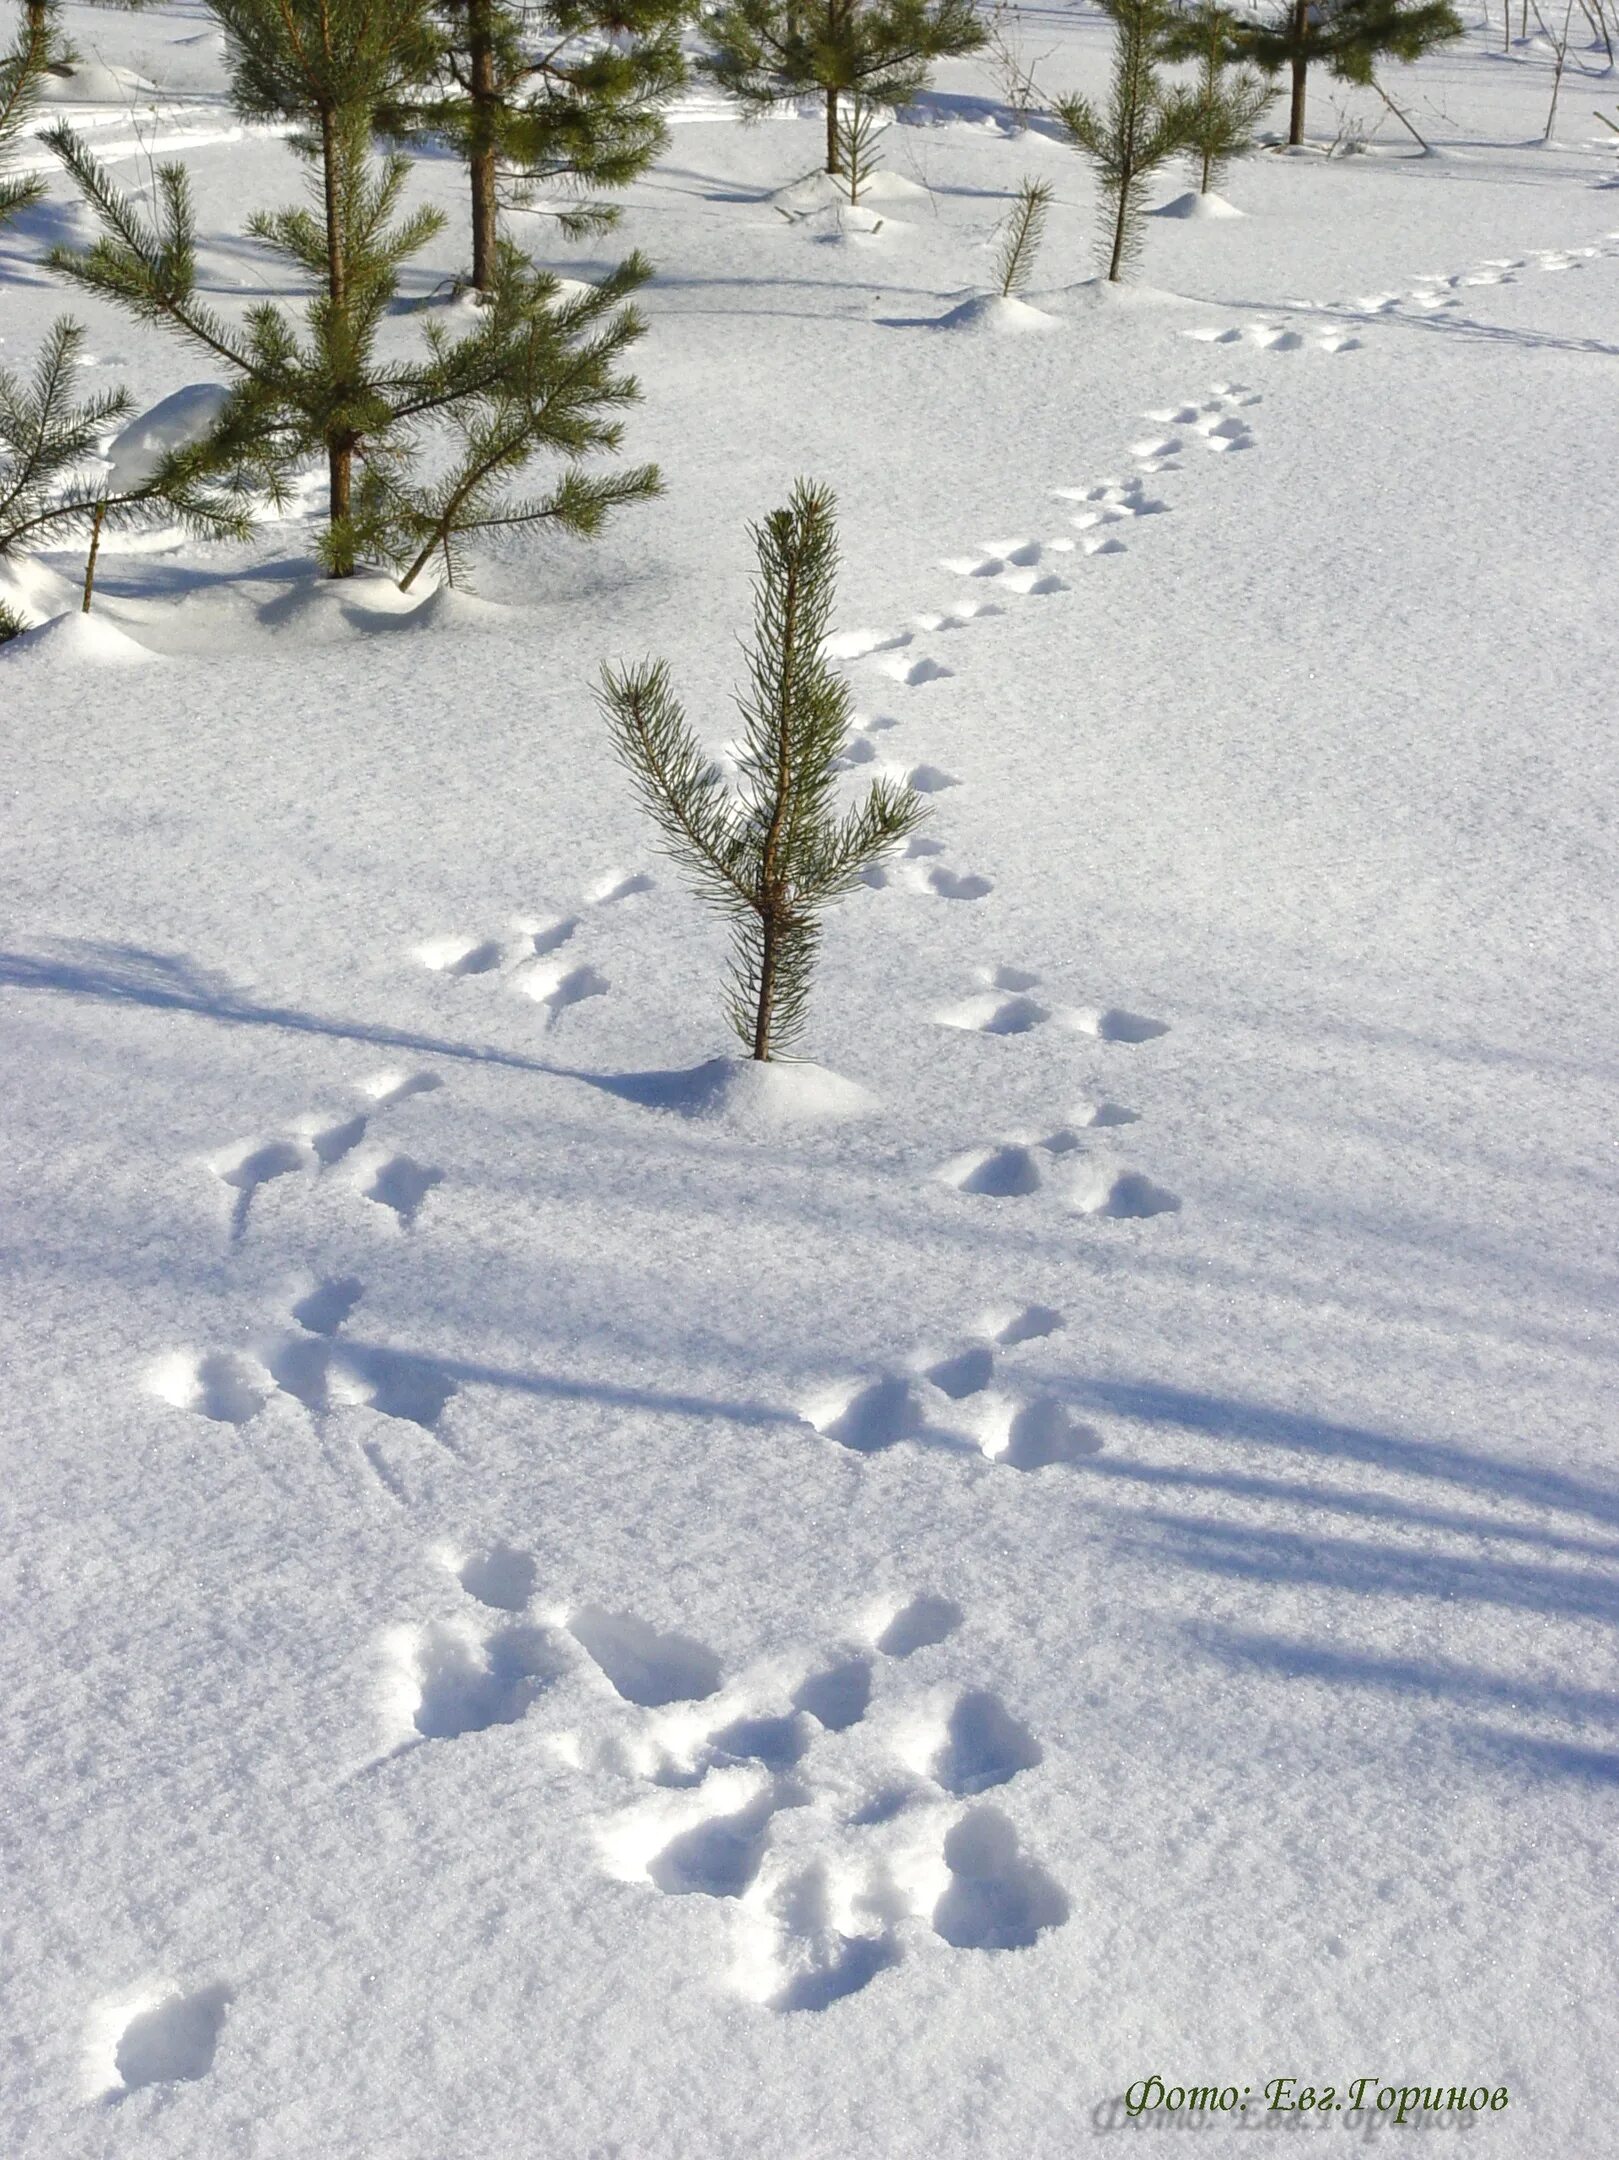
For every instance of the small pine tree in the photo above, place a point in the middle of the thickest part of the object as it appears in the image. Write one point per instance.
(1144, 124)
(1225, 101)
(567, 95)
(529, 376)
(47, 443)
(1348, 37)
(879, 50)
(774, 854)
(1021, 233)
(1370, 31)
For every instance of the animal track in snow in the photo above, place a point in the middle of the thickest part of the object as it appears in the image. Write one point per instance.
(221, 1384)
(837, 1853)
(1115, 1025)
(313, 1145)
(402, 1184)
(956, 1399)
(556, 986)
(913, 673)
(1006, 1169)
(862, 644)
(914, 868)
(1017, 566)
(996, 1898)
(1282, 337)
(1014, 1169)
(1123, 1195)
(960, 618)
(314, 1365)
(454, 1677)
(862, 747)
(165, 2038)
(1003, 1006)
(642, 1665)
(460, 956)
(498, 1576)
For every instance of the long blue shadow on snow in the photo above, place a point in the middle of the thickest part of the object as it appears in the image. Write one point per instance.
(1433, 1677)
(1232, 1418)
(1304, 1560)
(169, 982)
(470, 1372)
(1538, 1757)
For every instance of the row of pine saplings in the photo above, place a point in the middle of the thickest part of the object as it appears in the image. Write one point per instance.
(423, 450)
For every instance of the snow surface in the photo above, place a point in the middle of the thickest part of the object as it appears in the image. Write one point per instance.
(544, 1623)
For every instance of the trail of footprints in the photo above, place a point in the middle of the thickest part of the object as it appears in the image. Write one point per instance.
(840, 1841)
(831, 1805)
(1430, 293)
(536, 957)
(1024, 568)
(1012, 570)
(308, 1357)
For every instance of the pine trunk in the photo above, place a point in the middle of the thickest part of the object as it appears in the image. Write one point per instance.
(1301, 30)
(767, 993)
(339, 442)
(90, 559)
(485, 115)
(1116, 264)
(834, 164)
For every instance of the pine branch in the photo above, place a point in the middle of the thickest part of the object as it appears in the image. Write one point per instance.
(1021, 236)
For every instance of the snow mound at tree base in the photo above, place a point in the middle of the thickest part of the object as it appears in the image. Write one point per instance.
(996, 315)
(77, 640)
(91, 82)
(1116, 295)
(1193, 205)
(747, 1094)
(174, 423)
(825, 191)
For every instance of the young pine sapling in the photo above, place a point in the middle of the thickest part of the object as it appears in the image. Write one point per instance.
(878, 50)
(1142, 125)
(565, 96)
(1225, 101)
(774, 853)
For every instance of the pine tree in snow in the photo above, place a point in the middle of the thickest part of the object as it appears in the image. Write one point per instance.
(776, 852)
(879, 50)
(1142, 125)
(1225, 100)
(1348, 37)
(528, 376)
(564, 97)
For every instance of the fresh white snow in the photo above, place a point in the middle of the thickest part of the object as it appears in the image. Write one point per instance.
(568, 1596)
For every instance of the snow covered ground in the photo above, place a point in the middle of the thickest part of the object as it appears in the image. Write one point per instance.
(558, 1608)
